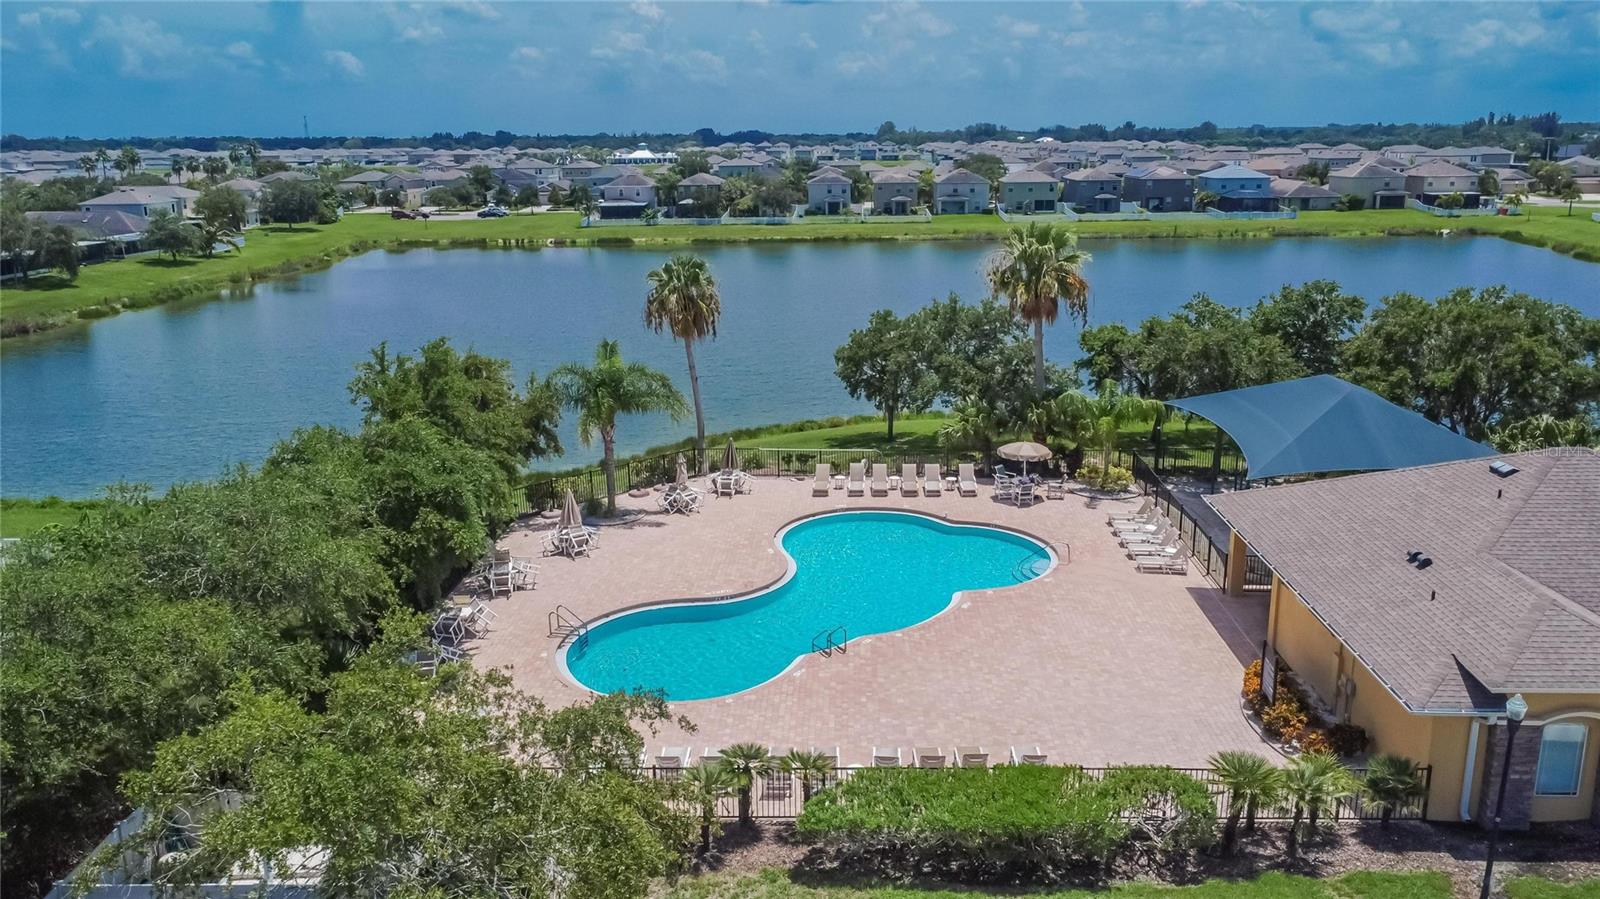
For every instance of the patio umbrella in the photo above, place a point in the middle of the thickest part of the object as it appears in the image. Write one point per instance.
(730, 457)
(682, 480)
(1025, 451)
(571, 518)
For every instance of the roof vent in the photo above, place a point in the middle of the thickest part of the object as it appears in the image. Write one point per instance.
(1417, 560)
(1502, 468)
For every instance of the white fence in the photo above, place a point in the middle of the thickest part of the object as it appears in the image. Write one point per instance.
(1282, 213)
(1448, 213)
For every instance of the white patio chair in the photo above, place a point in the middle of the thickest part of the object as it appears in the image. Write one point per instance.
(888, 757)
(972, 757)
(1024, 493)
(930, 757)
(1028, 755)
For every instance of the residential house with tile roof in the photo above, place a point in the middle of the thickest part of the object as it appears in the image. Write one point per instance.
(1380, 186)
(1029, 190)
(1159, 188)
(1414, 603)
(894, 192)
(959, 191)
(1086, 190)
(1433, 180)
(828, 192)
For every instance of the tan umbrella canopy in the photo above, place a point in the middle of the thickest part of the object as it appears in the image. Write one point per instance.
(682, 480)
(730, 457)
(571, 518)
(1025, 451)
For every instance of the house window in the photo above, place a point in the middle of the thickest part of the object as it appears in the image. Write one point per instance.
(1560, 760)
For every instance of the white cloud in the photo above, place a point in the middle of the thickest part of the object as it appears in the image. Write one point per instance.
(702, 66)
(648, 9)
(144, 50)
(1485, 34)
(474, 8)
(620, 45)
(527, 60)
(1389, 54)
(806, 40)
(1351, 20)
(903, 14)
(1018, 28)
(242, 52)
(858, 63)
(346, 62)
(421, 33)
(49, 14)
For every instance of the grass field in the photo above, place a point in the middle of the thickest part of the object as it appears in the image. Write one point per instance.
(274, 251)
(21, 517)
(919, 434)
(775, 884)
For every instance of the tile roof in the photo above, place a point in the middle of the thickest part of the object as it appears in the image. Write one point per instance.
(1232, 171)
(95, 225)
(1510, 601)
(1028, 176)
(1365, 170)
(1438, 168)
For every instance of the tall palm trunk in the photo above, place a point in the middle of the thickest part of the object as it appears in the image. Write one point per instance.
(699, 413)
(608, 437)
(1292, 845)
(1038, 356)
(1230, 830)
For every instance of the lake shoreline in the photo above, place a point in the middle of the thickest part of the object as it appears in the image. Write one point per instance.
(327, 245)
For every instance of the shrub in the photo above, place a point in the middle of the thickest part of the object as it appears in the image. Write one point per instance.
(593, 506)
(1251, 690)
(1285, 719)
(1315, 741)
(1006, 824)
(1347, 739)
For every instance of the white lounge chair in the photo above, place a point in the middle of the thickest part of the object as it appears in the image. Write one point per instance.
(908, 479)
(1178, 564)
(932, 479)
(1142, 514)
(671, 760)
(1139, 527)
(972, 757)
(824, 481)
(1172, 547)
(930, 757)
(1155, 538)
(880, 479)
(966, 480)
(1028, 755)
(888, 757)
(857, 484)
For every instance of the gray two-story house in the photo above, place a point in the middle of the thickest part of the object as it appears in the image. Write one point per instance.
(1159, 188)
(1238, 189)
(828, 192)
(960, 191)
(1029, 190)
(1095, 189)
(894, 192)
(627, 196)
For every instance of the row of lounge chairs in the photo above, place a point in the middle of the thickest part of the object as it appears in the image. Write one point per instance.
(932, 481)
(1150, 539)
(671, 758)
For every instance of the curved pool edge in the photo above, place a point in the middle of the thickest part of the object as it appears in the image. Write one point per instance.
(790, 567)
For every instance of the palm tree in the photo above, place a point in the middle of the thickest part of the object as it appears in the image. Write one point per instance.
(1098, 420)
(128, 161)
(1571, 194)
(235, 155)
(214, 233)
(102, 159)
(88, 163)
(1036, 269)
(1314, 782)
(1205, 199)
(811, 768)
(683, 298)
(252, 150)
(606, 389)
(746, 762)
(1392, 784)
(707, 785)
(972, 423)
(1251, 782)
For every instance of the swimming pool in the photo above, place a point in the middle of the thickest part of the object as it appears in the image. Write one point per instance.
(870, 572)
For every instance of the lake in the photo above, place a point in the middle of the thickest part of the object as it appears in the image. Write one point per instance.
(183, 392)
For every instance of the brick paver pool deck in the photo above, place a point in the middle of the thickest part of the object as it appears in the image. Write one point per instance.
(1094, 663)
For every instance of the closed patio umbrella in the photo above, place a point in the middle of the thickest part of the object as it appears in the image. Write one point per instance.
(682, 479)
(730, 457)
(1025, 451)
(571, 517)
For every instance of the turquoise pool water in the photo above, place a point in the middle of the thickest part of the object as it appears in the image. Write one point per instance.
(872, 572)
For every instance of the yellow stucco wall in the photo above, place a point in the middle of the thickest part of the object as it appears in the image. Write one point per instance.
(1319, 659)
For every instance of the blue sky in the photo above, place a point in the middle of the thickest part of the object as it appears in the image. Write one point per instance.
(117, 69)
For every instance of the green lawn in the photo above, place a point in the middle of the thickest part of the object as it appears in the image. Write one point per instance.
(21, 517)
(775, 884)
(1538, 888)
(919, 434)
(273, 251)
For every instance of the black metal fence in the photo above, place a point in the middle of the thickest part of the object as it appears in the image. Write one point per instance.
(780, 795)
(547, 491)
(1209, 548)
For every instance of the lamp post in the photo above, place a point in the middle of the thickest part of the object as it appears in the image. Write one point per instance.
(1516, 710)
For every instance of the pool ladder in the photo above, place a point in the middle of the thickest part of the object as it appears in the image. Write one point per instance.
(830, 640)
(567, 625)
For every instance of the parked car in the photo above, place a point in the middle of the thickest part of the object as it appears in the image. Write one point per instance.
(492, 212)
(401, 214)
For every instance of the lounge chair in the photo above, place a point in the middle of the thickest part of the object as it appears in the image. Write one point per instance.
(930, 757)
(966, 480)
(880, 479)
(671, 760)
(888, 757)
(777, 786)
(1155, 538)
(971, 757)
(824, 481)
(711, 756)
(857, 483)
(932, 479)
(1139, 527)
(1028, 755)
(908, 479)
(1177, 564)
(1165, 549)
(1143, 513)
(831, 753)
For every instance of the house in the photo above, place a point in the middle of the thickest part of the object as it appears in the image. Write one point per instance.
(747, 166)
(1428, 181)
(1513, 181)
(251, 191)
(1302, 195)
(369, 179)
(828, 192)
(1080, 188)
(1379, 185)
(627, 197)
(143, 201)
(581, 171)
(1159, 188)
(699, 195)
(102, 234)
(1029, 190)
(960, 191)
(642, 155)
(1238, 189)
(1581, 166)
(290, 175)
(894, 192)
(1416, 603)
(1406, 153)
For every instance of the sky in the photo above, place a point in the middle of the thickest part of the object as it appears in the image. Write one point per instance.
(369, 68)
